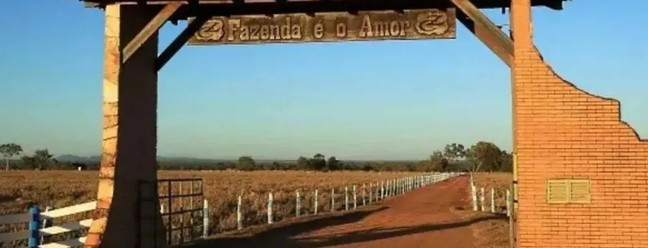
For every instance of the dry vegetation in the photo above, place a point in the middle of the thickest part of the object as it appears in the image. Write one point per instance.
(491, 233)
(221, 188)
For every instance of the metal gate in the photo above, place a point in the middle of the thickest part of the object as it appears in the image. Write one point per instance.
(182, 209)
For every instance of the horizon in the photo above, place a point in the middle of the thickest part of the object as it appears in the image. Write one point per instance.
(383, 101)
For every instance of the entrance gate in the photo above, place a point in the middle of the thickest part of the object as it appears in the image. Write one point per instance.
(180, 203)
(572, 153)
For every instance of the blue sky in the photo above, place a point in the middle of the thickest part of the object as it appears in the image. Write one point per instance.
(355, 100)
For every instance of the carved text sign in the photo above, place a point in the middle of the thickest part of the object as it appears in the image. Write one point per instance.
(337, 26)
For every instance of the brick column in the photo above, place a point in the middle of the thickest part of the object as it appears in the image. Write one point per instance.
(563, 132)
(129, 136)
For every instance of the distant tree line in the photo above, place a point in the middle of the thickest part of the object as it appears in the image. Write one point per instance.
(482, 156)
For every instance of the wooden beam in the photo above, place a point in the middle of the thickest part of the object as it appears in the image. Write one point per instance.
(179, 41)
(485, 30)
(152, 27)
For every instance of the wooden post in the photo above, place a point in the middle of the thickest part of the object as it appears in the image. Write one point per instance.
(297, 204)
(34, 227)
(333, 200)
(182, 225)
(239, 214)
(346, 198)
(492, 200)
(508, 203)
(205, 218)
(315, 211)
(370, 193)
(364, 194)
(46, 223)
(482, 199)
(473, 190)
(355, 200)
(270, 199)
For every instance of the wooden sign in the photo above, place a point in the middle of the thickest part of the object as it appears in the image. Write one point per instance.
(336, 26)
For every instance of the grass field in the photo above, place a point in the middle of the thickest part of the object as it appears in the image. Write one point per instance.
(492, 233)
(221, 189)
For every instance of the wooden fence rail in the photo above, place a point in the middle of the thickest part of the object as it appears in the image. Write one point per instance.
(34, 233)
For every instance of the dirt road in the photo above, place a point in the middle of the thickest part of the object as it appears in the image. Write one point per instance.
(426, 217)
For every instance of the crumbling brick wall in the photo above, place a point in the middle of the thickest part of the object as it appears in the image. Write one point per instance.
(562, 131)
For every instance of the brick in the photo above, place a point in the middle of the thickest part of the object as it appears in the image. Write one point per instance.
(564, 131)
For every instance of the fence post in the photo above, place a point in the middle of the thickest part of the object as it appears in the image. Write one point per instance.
(482, 199)
(492, 200)
(34, 227)
(239, 215)
(333, 200)
(205, 218)
(355, 200)
(182, 224)
(316, 201)
(45, 224)
(364, 194)
(508, 203)
(270, 199)
(346, 198)
(473, 190)
(382, 190)
(297, 204)
(370, 193)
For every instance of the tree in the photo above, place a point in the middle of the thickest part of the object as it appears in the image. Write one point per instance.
(318, 162)
(507, 161)
(486, 156)
(333, 163)
(302, 163)
(246, 163)
(43, 159)
(8, 151)
(454, 152)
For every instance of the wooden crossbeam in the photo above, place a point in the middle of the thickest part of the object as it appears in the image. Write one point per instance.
(485, 30)
(180, 41)
(151, 28)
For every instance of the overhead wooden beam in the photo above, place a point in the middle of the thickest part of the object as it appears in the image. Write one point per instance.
(151, 28)
(485, 30)
(180, 41)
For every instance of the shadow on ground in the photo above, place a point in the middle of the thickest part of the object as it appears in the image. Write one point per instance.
(284, 236)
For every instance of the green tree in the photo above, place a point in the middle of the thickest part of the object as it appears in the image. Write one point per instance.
(43, 159)
(318, 162)
(246, 163)
(487, 157)
(303, 163)
(8, 151)
(333, 163)
(507, 161)
(438, 162)
(454, 152)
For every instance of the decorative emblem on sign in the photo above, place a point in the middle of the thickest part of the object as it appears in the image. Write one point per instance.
(337, 26)
(432, 23)
(212, 30)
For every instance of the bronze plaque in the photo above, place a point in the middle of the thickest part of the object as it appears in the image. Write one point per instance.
(335, 26)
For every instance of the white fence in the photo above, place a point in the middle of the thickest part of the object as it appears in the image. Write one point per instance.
(36, 233)
(354, 196)
(35, 219)
(480, 202)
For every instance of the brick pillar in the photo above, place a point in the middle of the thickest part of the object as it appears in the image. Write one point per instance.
(563, 132)
(129, 136)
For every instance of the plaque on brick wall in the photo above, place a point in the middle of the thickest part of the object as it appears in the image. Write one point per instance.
(568, 191)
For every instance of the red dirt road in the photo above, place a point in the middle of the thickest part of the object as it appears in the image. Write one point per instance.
(425, 217)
